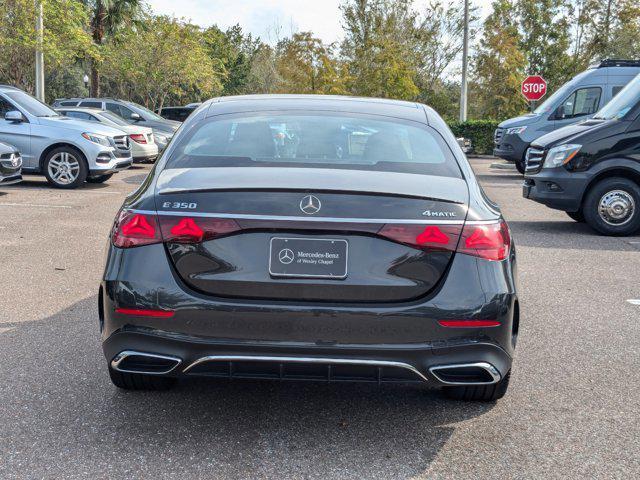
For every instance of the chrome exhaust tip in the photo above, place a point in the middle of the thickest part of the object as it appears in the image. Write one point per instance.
(131, 361)
(479, 373)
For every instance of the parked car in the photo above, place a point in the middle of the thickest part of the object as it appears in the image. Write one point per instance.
(576, 100)
(10, 165)
(178, 114)
(143, 145)
(591, 170)
(67, 152)
(366, 250)
(131, 112)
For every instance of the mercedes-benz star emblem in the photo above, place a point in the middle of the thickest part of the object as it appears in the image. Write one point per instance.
(310, 204)
(285, 256)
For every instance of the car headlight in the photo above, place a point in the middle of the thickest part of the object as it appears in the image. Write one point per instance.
(96, 138)
(515, 130)
(561, 155)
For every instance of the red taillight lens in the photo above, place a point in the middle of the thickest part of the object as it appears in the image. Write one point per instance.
(469, 323)
(432, 237)
(490, 242)
(138, 138)
(140, 312)
(195, 230)
(134, 229)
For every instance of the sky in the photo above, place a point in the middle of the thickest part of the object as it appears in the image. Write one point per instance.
(271, 19)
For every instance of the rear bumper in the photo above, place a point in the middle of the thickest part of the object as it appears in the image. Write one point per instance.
(408, 333)
(556, 188)
(292, 361)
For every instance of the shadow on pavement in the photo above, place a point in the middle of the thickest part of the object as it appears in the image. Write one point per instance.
(564, 235)
(41, 183)
(63, 418)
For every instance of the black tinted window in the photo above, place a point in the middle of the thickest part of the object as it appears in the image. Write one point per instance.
(316, 141)
(5, 107)
(68, 103)
(90, 104)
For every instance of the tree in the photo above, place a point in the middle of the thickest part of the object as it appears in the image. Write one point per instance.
(377, 48)
(166, 60)
(306, 65)
(545, 38)
(499, 65)
(107, 18)
(65, 39)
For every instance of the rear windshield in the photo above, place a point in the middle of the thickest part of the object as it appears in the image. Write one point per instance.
(315, 141)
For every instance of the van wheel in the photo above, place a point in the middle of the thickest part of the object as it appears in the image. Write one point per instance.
(65, 167)
(612, 207)
(99, 178)
(577, 216)
(479, 393)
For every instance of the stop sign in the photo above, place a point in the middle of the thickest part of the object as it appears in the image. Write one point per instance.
(534, 87)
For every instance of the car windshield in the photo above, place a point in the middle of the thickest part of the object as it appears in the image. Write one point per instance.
(31, 105)
(112, 117)
(624, 101)
(148, 113)
(355, 142)
(548, 104)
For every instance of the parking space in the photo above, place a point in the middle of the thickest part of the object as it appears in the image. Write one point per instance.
(569, 411)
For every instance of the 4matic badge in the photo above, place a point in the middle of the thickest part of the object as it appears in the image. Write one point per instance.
(434, 213)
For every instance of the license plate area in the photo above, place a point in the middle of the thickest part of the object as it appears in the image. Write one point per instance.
(308, 257)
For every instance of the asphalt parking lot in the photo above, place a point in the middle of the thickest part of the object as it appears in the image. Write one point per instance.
(572, 410)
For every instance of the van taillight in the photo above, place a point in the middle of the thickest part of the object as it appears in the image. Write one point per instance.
(135, 229)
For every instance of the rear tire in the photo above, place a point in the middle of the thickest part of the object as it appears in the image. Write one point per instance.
(65, 167)
(479, 393)
(577, 216)
(138, 381)
(99, 178)
(612, 207)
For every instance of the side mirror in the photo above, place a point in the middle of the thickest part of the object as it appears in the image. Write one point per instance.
(14, 116)
(135, 117)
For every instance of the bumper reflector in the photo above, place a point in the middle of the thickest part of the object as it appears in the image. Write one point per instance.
(145, 313)
(469, 323)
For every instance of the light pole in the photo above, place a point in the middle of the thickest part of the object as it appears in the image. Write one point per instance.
(85, 79)
(465, 64)
(39, 53)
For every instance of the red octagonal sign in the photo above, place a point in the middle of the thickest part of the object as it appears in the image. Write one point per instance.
(534, 87)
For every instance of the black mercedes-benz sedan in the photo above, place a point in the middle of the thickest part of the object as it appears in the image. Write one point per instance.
(311, 238)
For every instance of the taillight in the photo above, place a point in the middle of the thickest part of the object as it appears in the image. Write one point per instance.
(431, 237)
(195, 230)
(135, 229)
(490, 241)
(138, 138)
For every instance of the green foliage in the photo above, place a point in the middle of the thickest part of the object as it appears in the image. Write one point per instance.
(167, 60)
(65, 39)
(480, 132)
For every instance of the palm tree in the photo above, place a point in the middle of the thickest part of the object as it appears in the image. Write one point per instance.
(107, 17)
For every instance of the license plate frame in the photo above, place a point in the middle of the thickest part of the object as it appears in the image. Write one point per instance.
(305, 258)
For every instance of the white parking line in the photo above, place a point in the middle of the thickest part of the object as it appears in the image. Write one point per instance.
(34, 205)
(634, 301)
(3, 330)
